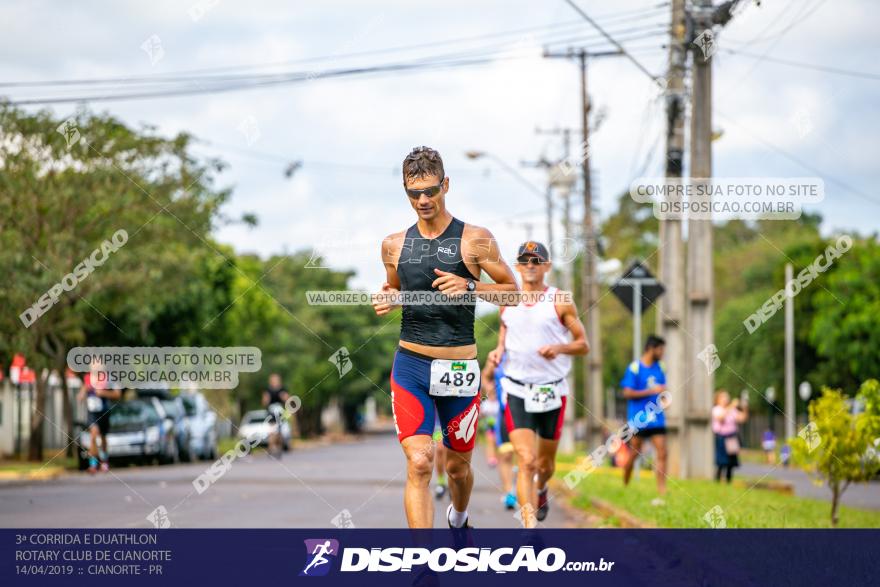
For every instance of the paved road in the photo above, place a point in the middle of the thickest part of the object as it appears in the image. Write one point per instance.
(859, 495)
(308, 488)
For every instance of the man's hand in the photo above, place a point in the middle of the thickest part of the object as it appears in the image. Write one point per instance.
(495, 355)
(549, 351)
(449, 283)
(380, 303)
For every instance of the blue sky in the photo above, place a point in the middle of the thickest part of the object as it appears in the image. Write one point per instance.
(353, 133)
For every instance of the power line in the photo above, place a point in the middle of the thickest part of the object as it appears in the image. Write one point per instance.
(806, 165)
(825, 68)
(255, 83)
(187, 75)
(611, 40)
(805, 13)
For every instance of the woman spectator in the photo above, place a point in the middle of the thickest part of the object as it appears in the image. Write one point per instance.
(727, 415)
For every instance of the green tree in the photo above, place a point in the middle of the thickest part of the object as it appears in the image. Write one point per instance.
(65, 188)
(845, 329)
(836, 445)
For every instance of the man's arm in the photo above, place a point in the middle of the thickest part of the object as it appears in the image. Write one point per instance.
(630, 393)
(114, 394)
(488, 376)
(578, 346)
(483, 251)
(391, 245)
(495, 354)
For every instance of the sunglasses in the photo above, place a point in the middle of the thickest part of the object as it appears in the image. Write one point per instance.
(531, 261)
(430, 192)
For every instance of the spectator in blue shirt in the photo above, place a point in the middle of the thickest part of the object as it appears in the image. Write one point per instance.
(642, 383)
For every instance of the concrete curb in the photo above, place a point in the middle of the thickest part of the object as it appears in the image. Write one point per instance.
(626, 519)
(604, 509)
(44, 474)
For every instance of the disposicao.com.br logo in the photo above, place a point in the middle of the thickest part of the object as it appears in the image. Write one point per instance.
(440, 560)
(318, 556)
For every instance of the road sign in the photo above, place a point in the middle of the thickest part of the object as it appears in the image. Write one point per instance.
(637, 278)
(637, 289)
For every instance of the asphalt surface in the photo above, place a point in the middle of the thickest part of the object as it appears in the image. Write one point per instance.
(858, 495)
(358, 483)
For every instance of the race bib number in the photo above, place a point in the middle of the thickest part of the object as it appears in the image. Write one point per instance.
(543, 398)
(454, 378)
(94, 403)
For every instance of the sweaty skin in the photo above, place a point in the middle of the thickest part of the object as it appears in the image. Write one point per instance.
(480, 252)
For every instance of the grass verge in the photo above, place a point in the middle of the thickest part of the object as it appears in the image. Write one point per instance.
(688, 500)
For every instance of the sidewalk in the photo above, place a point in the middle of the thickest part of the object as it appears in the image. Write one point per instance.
(859, 495)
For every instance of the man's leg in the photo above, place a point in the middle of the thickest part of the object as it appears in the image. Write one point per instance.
(546, 464)
(461, 478)
(491, 452)
(417, 502)
(458, 421)
(440, 460)
(523, 440)
(659, 442)
(93, 440)
(635, 449)
(505, 466)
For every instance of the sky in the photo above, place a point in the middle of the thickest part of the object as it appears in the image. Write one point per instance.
(351, 134)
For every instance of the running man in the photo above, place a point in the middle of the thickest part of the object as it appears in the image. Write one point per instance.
(274, 399)
(435, 364)
(540, 335)
(492, 377)
(96, 392)
(643, 381)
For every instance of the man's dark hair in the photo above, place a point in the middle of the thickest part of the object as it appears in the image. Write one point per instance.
(423, 162)
(653, 342)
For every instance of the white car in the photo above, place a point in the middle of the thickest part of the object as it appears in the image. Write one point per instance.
(202, 424)
(256, 427)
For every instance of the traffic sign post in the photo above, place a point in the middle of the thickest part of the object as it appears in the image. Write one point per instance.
(638, 289)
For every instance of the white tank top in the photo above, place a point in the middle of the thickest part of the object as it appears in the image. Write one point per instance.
(529, 327)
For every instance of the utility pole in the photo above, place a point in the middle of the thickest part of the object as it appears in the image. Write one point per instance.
(790, 408)
(699, 255)
(595, 394)
(671, 271)
(555, 180)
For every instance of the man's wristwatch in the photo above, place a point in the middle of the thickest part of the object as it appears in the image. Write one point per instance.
(471, 286)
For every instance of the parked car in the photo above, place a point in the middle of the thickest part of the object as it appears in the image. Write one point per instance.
(175, 410)
(255, 428)
(202, 425)
(140, 432)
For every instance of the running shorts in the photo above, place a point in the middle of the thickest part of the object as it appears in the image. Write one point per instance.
(414, 408)
(547, 425)
(101, 420)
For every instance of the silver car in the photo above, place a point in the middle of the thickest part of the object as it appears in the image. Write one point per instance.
(201, 422)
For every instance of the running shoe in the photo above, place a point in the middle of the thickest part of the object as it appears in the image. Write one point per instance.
(467, 521)
(105, 466)
(93, 465)
(439, 491)
(510, 501)
(543, 505)
(493, 462)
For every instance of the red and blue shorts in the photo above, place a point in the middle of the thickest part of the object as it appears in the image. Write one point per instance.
(415, 410)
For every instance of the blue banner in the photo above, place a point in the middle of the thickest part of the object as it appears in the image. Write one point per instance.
(208, 558)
